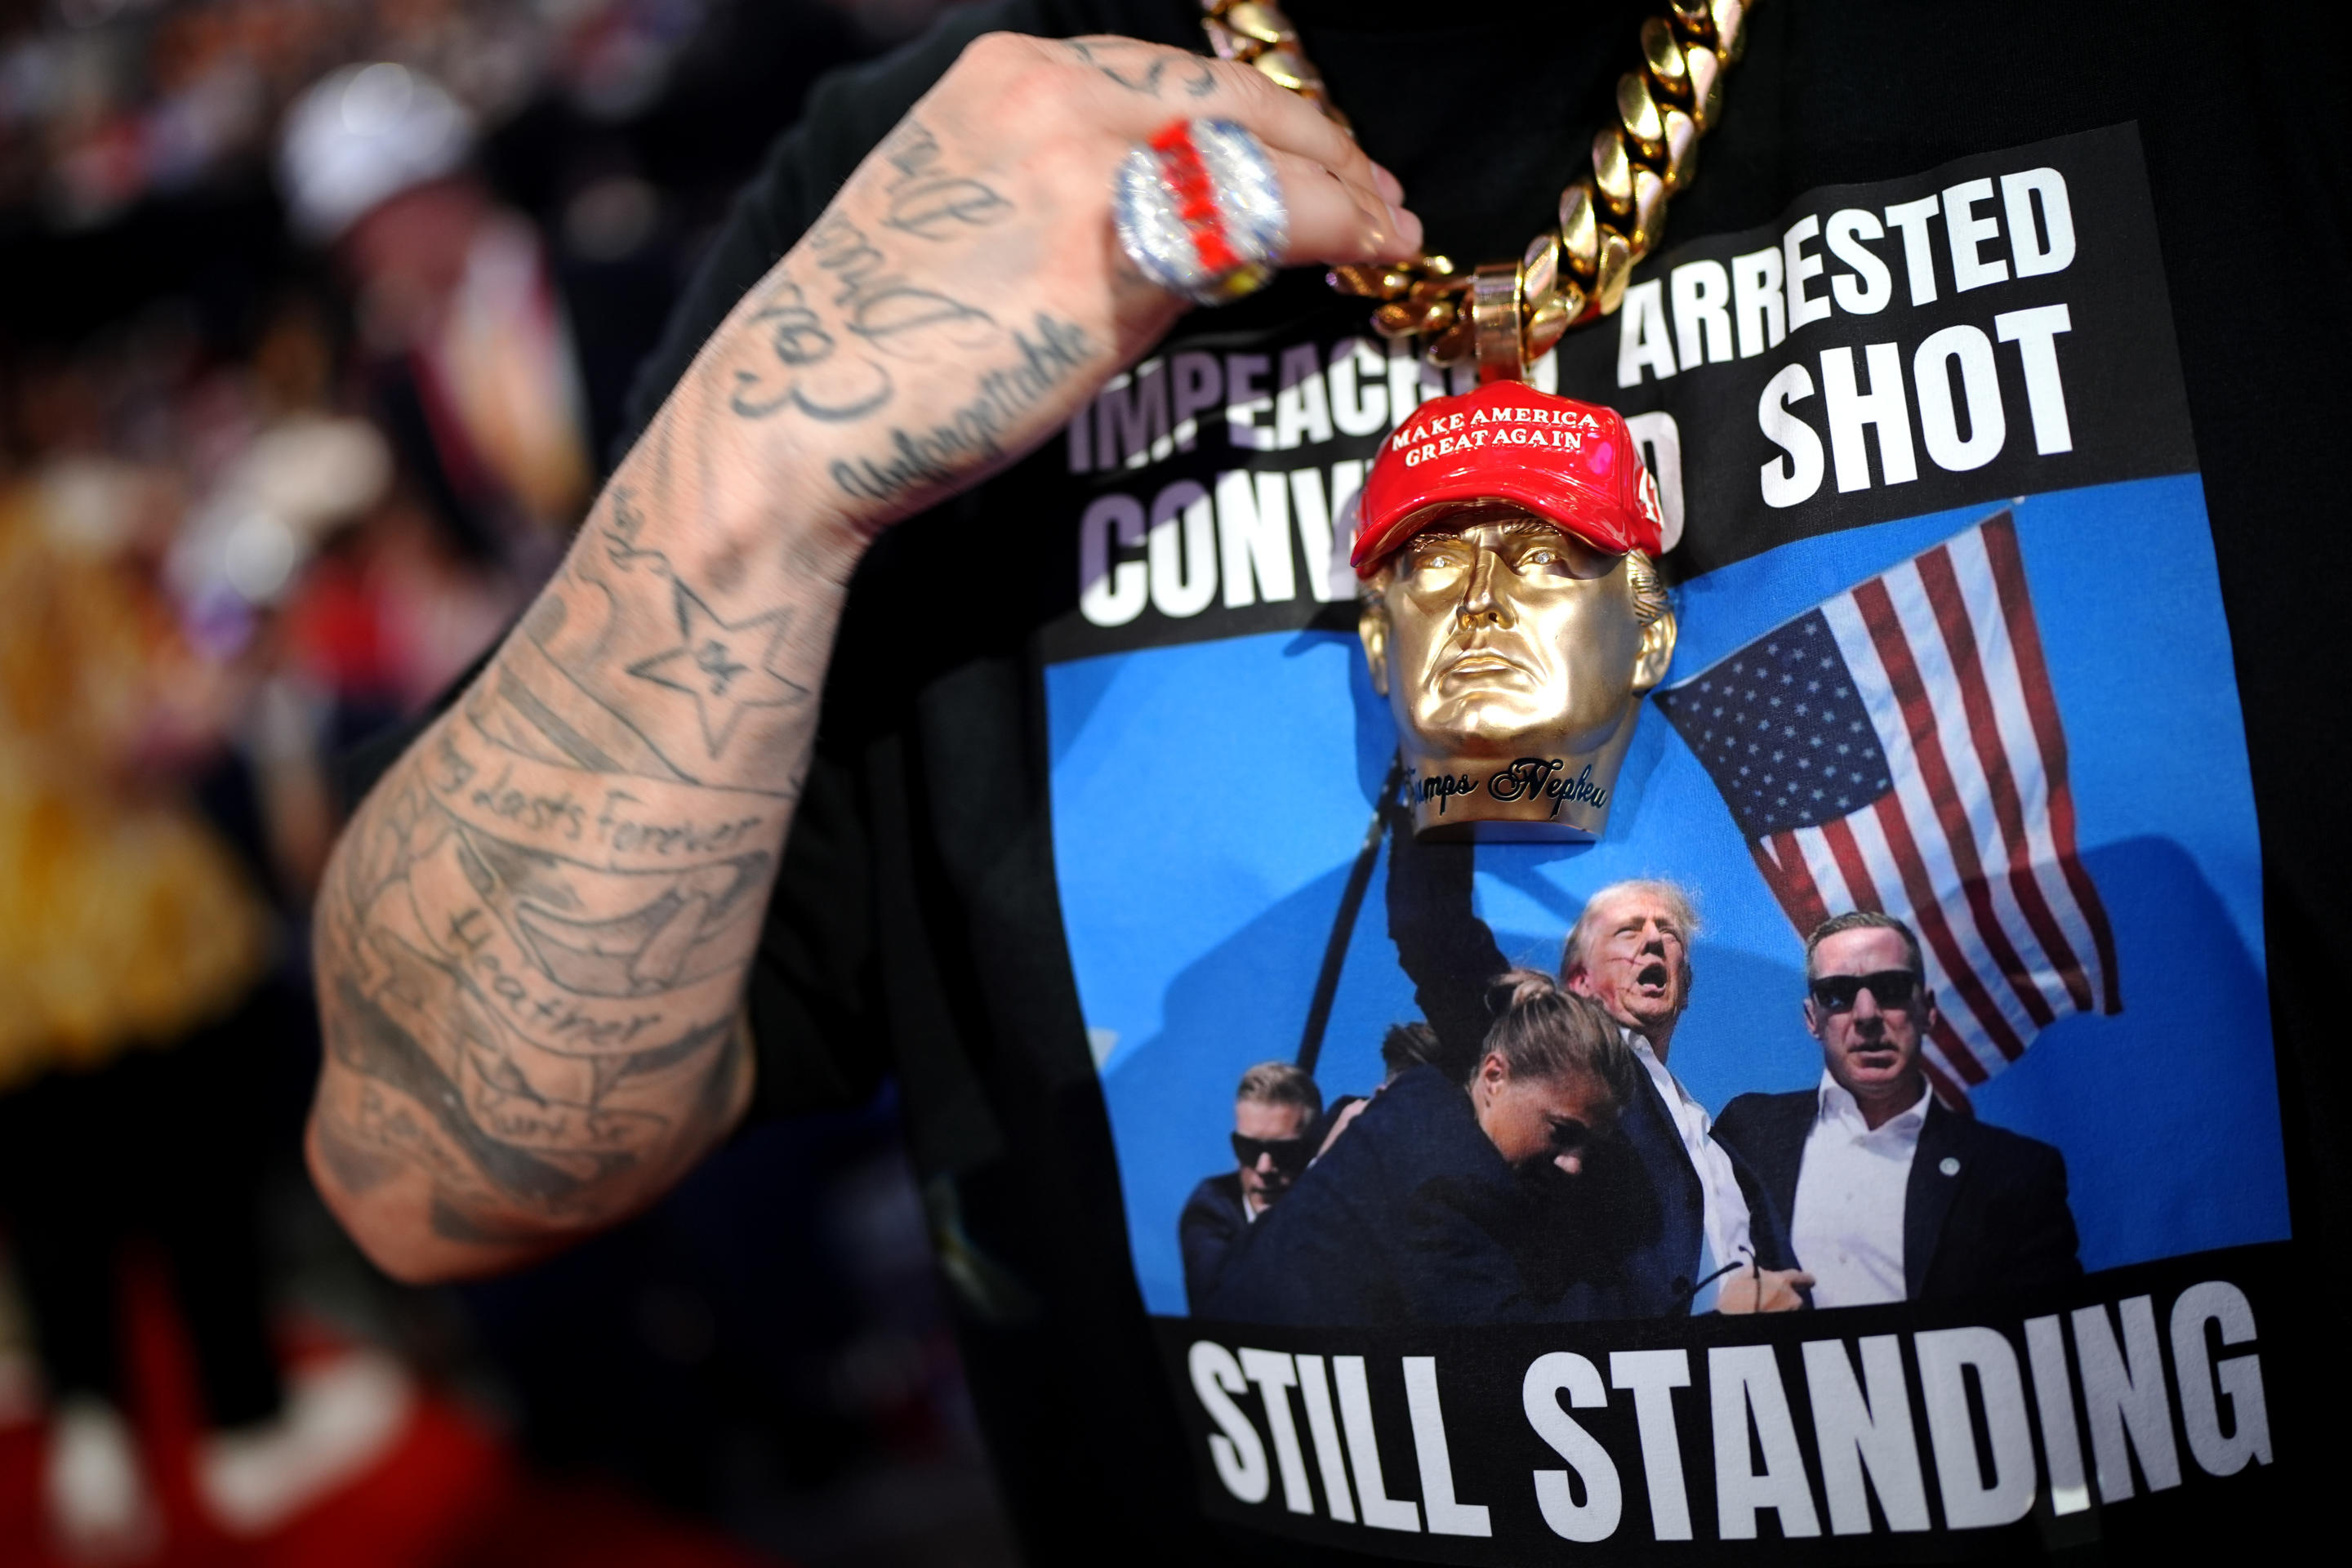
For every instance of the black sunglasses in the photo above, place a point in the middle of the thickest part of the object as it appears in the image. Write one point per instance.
(1288, 1153)
(1892, 987)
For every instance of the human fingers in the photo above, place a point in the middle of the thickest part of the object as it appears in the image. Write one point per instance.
(1337, 221)
(1142, 86)
(1289, 123)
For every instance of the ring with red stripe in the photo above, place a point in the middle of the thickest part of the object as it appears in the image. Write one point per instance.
(1198, 210)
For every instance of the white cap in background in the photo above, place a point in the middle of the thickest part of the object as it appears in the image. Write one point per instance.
(360, 136)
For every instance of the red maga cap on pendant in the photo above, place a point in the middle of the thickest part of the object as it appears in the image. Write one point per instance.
(1573, 463)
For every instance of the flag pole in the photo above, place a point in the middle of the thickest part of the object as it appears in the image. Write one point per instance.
(1343, 923)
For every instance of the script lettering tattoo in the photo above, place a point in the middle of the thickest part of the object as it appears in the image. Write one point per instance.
(807, 372)
(829, 356)
(938, 455)
(1199, 80)
(534, 935)
(881, 305)
(533, 939)
(928, 201)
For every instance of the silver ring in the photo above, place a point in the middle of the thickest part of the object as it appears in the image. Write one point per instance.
(1199, 211)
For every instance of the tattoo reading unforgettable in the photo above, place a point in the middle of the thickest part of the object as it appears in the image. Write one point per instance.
(943, 453)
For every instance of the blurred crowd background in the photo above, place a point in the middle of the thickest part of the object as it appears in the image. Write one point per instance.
(316, 321)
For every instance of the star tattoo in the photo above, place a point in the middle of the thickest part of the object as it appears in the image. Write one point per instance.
(728, 668)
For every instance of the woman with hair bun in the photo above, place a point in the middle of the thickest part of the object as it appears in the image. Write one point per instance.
(1446, 1202)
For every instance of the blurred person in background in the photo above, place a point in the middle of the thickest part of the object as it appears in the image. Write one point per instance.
(464, 342)
(137, 950)
(165, 279)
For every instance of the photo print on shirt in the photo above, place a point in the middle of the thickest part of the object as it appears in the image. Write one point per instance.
(1952, 650)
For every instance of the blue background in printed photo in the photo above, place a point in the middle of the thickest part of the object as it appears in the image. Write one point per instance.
(1209, 800)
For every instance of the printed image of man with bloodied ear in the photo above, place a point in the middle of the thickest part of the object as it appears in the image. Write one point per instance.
(1711, 1240)
(1276, 1109)
(1675, 1220)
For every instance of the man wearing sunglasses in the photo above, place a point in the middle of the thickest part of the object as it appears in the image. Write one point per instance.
(1276, 1109)
(1892, 1196)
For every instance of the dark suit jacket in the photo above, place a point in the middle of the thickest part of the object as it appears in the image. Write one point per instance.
(1641, 1208)
(1212, 1221)
(1996, 1221)
(1652, 1210)
(1411, 1218)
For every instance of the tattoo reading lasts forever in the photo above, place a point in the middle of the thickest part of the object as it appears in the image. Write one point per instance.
(941, 454)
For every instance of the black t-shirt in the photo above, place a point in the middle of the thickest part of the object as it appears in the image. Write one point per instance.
(1077, 846)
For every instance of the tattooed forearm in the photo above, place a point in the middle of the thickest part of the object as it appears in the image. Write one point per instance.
(533, 940)
(532, 943)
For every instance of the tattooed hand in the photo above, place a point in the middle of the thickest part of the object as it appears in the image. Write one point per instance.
(964, 293)
(532, 941)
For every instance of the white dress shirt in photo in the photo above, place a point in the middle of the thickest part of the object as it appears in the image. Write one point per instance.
(1723, 1223)
(1848, 1229)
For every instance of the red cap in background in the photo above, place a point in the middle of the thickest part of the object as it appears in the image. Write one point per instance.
(1573, 463)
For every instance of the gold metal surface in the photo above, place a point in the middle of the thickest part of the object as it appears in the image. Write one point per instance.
(1372, 280)
(1264, 23)
(1539, 268)
(1637, 113)
(1224, 42)
(1662, 54)
(1455, 344)
(1649, 212)
(1494, 317)
(1705, 68)
(1730, 21)
(1580, 231)
(1691, 19)
(1437, 314)
(1616, 269)
(1549, 318)
(1289, 68)
(1682, 149)
(1613, 173)
(1508, 650)
(1607, 221)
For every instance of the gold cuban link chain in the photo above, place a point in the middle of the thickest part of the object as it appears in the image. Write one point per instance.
(1508, 314)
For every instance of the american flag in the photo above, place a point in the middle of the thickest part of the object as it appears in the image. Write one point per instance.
(1898, 748)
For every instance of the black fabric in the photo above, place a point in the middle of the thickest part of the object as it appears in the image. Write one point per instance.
(1413, 1217)
(1212, 1222)
(928, 823)
(164, 1146)
(1996, 1221)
